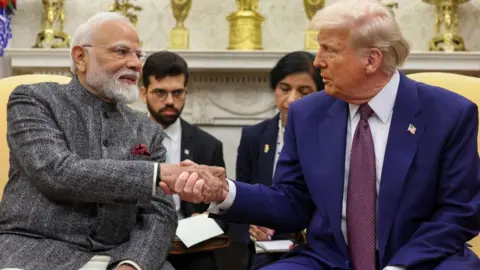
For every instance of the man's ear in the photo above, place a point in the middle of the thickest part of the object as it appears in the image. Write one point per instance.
(80, 58)
(374, 61)
(143, 94)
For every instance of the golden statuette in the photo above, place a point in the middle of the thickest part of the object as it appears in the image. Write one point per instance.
(311, 7)
(245, 26)
(446, 26)
(52, 34)
(179, 37)
(127, 9)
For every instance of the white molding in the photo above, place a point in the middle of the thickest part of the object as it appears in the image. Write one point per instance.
(247, 60)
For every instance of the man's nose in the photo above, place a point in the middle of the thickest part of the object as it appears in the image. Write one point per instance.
(134, 63)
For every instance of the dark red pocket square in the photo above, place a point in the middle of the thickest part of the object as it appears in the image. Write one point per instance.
(141, 150)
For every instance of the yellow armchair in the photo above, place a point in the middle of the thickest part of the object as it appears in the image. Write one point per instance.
(466, 86)
(6, 87)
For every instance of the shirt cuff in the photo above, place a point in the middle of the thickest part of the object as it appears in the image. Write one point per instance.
(155, 170)
(394, 268)
(219, 208)
(132, 263)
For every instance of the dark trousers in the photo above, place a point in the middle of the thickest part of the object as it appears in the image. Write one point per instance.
(194, 261)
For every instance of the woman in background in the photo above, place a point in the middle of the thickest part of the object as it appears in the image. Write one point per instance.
(293, 77)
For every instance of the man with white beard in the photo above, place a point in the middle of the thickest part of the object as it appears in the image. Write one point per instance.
(85, 168)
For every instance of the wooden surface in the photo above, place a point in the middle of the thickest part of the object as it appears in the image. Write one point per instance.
(215, 243)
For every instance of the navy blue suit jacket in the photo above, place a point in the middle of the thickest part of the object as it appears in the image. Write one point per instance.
(429, 198)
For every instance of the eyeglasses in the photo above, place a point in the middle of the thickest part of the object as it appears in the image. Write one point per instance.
(163, 94)
(120, 51)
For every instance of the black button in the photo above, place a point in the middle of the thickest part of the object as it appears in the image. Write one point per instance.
(105, 143)
(105, 115)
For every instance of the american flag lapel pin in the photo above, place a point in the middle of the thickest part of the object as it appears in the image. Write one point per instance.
(412, 129)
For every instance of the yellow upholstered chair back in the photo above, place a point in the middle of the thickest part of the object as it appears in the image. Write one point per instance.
(466, 86)
(6, 87)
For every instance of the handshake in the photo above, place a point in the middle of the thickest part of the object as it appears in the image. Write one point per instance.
(194, 183)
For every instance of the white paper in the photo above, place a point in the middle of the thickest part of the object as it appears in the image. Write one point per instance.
(272, 246)
(196, 229)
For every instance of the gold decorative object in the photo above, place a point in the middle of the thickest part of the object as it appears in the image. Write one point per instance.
(446, 26)
(311, 7)
(52, 34)
(179, 37)
(127, 9)
(245, 26)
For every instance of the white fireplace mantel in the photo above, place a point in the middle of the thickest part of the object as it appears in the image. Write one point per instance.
(220, 61)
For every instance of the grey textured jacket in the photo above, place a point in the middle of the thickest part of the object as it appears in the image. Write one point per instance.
(75, 190)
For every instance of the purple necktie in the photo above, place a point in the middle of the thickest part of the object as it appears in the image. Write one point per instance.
(362, 196)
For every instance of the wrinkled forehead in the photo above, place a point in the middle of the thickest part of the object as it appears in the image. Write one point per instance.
(334, 35)
(115, 32)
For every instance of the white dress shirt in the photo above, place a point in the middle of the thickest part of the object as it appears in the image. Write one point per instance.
(172, 142)
(281, 131)
(382, 104)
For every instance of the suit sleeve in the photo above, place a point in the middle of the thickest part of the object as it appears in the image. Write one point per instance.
(244, 167)
(284, 206)
(39, 147)
(151, 239)
(457, 218)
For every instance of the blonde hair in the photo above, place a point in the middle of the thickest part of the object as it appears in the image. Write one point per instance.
(84, 32)
(371, 24)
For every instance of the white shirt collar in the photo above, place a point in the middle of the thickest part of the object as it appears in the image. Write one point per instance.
(382, 104)
(174, 131)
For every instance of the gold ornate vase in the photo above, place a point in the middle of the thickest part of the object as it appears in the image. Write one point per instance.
(311, 7)
(245, 26)
(179, 37)
(446, 26)
(127, 9)
(52, 34)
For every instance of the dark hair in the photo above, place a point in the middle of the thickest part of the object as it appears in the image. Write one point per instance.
(296, 62)
(163, 64)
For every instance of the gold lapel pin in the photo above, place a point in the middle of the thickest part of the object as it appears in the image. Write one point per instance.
(412, 129)
(267, 148)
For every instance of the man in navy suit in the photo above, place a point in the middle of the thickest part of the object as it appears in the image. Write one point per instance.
(382, 170)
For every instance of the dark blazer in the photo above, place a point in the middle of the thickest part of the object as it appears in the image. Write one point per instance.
(429, 198)
(202, 148)
(75, 189)
(256, 152)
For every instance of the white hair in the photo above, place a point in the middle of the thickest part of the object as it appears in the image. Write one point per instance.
(84, 32)
(371, 24)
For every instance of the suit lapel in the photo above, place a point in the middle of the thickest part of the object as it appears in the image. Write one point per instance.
(400, 151)
(268, 145)
(187, 145)
(331, 174)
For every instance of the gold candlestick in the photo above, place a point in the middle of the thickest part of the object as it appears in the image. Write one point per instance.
(52, 34)
(127, 9)
(446, 26)
(311, 7)
(245, 26)
(179, 37)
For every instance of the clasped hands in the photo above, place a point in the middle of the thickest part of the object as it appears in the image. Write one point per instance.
(194, 183)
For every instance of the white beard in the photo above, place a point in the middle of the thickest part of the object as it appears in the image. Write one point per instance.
(110, 84)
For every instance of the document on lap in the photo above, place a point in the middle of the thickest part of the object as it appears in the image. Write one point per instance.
(196, 229)
(272, 246)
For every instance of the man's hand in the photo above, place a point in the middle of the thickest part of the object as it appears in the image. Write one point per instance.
(125, 267)
(194, 183)
(261, 233)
